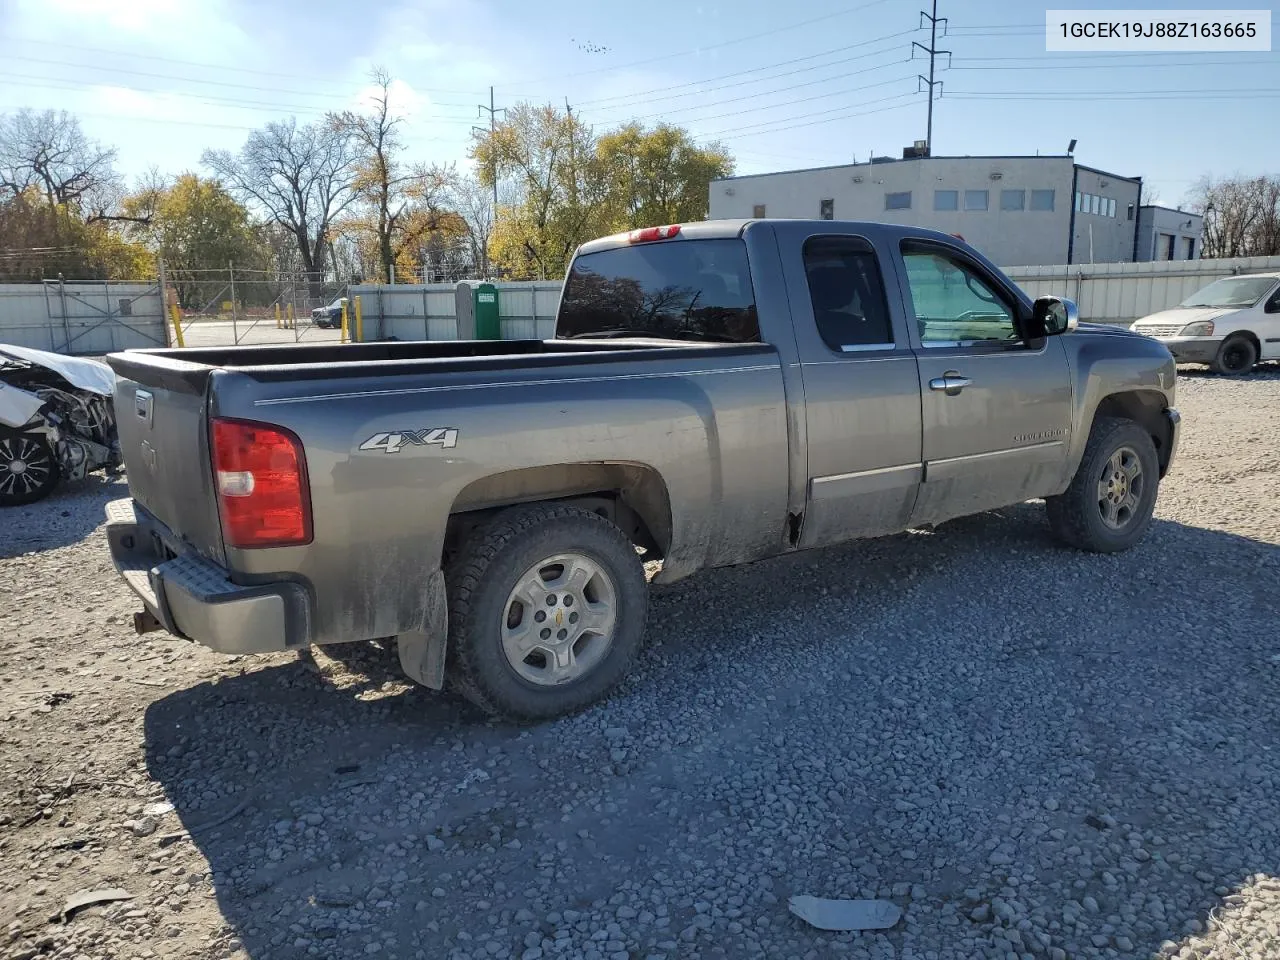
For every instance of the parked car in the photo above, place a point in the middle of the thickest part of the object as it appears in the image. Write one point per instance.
(1231, 324)
(57, 422)
(330, 316)
(715, 393)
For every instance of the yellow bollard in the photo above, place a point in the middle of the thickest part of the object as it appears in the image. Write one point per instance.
(290, 319)
(344, 321)
(359, 322)
(177, 326)
(278, 321)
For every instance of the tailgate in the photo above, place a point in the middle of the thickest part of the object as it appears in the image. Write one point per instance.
(164, 437)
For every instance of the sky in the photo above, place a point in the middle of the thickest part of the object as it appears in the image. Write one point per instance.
(783, 86)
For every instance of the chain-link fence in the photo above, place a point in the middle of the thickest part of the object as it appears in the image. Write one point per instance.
(241, 305)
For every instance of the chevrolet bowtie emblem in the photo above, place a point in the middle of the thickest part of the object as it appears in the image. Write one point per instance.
(559, 618)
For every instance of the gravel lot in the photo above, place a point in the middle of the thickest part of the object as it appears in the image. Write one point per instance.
(1036, 753)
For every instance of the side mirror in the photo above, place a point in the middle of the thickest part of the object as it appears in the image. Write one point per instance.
(1055, 315)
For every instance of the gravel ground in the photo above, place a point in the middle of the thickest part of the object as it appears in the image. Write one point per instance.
(1034, 752)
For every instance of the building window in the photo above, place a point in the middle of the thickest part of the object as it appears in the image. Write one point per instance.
(1095, 204)
(898, 201)
(1111, 207)
(1013, 199)
(1169, 248)
(1191, 248)
(975, 199)
(1041, 199)
(827, 210)
(946, 200)
(758, 211)
(1130, 214)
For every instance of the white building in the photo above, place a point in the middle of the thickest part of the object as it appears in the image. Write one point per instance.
(1017, 210)
(1168, 234)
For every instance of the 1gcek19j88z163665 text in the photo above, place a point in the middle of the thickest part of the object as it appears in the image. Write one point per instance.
(1152, 30)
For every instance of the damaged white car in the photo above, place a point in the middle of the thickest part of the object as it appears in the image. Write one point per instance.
(57, 422)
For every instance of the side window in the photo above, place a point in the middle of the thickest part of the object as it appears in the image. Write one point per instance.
(953, 303)
(849, 304)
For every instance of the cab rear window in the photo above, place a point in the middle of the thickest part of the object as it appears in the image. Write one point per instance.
(679, 289)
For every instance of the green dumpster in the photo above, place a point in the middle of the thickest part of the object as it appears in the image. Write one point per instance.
(485, 307)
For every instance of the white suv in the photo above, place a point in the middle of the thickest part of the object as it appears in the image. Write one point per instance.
(1231, 324)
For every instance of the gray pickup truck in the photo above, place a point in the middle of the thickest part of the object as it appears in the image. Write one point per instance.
(716, 393)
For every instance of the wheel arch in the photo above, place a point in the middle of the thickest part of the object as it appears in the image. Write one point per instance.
(1146, 408)
(633, 496)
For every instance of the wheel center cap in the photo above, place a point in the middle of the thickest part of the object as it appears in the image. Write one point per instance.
(17, 466)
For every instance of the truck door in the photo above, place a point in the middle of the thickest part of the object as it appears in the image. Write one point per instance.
(861, 388)
(997, 410)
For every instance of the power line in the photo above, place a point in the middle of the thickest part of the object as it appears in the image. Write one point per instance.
(221, 68)
(1131, 66)
(170, 76)
(739, 73)
(209, 99)
(787, 103)
(711, 46)
(731, 134)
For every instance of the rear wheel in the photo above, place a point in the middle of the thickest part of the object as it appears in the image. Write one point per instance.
(1236, 357)
(546, 612)
(1109, 505)
(28, 469)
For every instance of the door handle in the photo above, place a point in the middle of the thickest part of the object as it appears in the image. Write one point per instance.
(950, 383)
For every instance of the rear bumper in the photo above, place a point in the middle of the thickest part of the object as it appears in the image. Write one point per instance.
(194, 598)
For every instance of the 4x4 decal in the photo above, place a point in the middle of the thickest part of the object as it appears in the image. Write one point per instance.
(394, 442)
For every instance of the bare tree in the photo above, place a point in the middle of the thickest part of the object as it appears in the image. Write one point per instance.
(404, 202)
(474, 202)
(48, 152)
(303, 178)
(1241, 216)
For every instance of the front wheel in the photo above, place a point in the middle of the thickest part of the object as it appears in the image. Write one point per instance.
(1236, 357)
(1109, 505)
(28, 469)
(546, 612)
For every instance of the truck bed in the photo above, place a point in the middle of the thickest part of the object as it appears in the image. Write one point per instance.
(188, 369)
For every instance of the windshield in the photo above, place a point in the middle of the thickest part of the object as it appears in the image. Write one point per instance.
(1231, 292)
(678, 290)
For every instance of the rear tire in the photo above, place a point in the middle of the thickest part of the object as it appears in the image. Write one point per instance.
(547, 606)
(1236, 357)
(1109, 505)
(29, 469)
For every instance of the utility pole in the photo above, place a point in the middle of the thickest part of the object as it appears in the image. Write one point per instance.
(933, 51)
(493, 124)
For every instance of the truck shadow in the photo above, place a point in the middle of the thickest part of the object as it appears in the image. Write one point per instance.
(1096, 726)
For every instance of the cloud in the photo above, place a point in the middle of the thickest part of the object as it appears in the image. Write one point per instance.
(152, 24)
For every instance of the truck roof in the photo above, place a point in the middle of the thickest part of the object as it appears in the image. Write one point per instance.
(720, 229)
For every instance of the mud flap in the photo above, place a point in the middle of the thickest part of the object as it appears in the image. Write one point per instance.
(422, 658)
(422, 652)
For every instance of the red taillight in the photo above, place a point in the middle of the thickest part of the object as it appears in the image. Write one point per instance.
(648, 234)
(261, 481)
